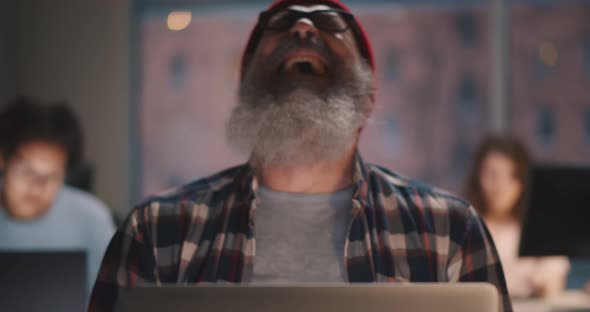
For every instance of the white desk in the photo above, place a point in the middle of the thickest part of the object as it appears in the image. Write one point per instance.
(570, 300)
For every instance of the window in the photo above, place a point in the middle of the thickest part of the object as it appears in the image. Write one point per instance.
(549, 70)
(468, 98)
(461, 156)
(177, 72)
(466, 27)
(391, 65)
(391, 135)
(545, 126)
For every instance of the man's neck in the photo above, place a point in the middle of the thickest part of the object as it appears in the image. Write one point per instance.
(323, 177)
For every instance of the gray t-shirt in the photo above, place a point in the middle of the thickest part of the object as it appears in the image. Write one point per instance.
(300, 237)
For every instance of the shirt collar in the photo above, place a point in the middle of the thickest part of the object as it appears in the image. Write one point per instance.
(248, 182)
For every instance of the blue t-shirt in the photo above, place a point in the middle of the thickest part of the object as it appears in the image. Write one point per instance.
(76, 221)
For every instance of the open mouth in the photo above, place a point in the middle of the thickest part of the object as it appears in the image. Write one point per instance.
(304, 63)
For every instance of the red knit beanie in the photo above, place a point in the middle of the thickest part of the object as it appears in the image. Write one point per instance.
(361, 38)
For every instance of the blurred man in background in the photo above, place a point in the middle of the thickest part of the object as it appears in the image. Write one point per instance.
(305, 208)
(38, 144)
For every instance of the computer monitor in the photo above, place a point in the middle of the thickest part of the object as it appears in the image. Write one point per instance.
(557, 216)
(43, 281)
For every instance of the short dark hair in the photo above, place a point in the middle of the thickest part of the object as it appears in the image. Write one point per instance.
(25, 120)
(512, 148)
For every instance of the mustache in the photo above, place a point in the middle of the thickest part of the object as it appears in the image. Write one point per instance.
(289, 44)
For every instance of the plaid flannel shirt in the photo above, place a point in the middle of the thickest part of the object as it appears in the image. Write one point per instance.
(401, 230)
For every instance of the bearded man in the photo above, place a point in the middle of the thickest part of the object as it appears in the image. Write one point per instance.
(305, 208)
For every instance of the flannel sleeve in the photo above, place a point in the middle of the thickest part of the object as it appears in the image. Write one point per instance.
(476, 259)
(129, 259)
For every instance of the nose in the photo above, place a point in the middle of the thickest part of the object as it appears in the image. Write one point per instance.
(38, 186)
(303, 29)
(36, 189)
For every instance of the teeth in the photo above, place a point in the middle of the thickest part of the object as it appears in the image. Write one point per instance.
(315, 63)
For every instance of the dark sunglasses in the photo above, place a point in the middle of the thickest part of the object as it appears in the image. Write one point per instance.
(333, 21)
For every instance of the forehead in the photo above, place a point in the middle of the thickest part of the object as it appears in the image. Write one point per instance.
(309, 8)
(497, 159)
(42, 154)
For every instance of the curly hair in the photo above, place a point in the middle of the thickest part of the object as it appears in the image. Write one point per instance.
(25, 120)
(512, 148)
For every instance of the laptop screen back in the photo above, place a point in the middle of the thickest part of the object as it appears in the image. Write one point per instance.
(43, 281)
(557, 218)
(399, 297)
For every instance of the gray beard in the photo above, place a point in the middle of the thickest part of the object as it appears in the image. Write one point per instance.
(304, 126)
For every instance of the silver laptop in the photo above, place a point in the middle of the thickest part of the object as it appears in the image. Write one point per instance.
(466, 297)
